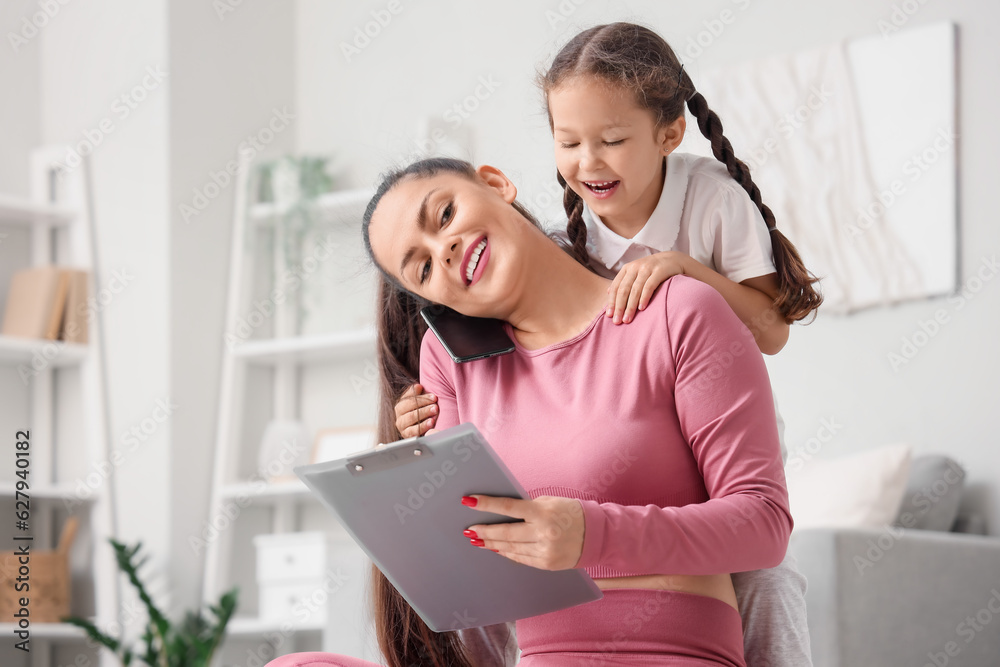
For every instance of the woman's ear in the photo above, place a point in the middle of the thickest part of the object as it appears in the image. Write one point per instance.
(669, 136)
(496, 179)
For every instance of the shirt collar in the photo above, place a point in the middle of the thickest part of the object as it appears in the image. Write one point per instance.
(660, 231)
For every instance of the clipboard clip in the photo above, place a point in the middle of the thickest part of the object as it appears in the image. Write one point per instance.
(388, 456)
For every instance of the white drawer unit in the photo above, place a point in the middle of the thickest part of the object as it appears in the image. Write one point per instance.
(292, 556)
(302, 602)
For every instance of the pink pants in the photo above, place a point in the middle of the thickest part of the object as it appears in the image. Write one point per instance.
(628, 626)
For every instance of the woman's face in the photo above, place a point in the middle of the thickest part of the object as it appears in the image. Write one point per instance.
(452, 240)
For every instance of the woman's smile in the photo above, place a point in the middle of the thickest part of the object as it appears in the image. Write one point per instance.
(474, 262)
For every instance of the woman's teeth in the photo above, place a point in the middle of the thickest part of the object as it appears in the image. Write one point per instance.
(600, 186)
(474, 261)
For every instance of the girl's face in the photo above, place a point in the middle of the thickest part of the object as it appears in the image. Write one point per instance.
(609, 149)
(452, 240)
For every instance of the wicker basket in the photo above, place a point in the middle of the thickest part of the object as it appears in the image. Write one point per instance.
(48, 579)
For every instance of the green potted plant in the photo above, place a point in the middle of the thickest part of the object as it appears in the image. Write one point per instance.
(293, 183)
(190, 643)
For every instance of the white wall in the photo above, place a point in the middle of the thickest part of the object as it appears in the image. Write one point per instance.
(432, 56)
(102, 80)
(19, 72)
(217, 80)
(229, 71)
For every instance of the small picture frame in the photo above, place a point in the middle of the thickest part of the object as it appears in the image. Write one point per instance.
(336, 443)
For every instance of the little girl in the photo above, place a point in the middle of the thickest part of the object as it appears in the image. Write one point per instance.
(642, 213)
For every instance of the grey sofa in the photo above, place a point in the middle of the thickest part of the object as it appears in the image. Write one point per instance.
(921, 596)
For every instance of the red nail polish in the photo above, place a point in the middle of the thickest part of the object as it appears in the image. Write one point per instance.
(478, 542)
(469, 501)
(495, 550)
(469, 533)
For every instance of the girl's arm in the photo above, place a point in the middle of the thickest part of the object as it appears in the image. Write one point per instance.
(752, 300)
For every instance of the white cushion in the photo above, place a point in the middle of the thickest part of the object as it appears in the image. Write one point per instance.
(855, 491)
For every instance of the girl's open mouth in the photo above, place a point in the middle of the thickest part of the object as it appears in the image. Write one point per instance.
(602, 189)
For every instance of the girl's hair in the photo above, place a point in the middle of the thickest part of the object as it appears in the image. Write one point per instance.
(403, 637)
(640, 61)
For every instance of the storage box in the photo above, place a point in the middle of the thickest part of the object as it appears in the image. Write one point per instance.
(290, 556)
(291, 573)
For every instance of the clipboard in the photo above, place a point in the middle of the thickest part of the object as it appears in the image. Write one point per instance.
(401, 503)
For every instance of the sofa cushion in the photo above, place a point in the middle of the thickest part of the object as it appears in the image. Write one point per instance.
(855, 491)
(933, 493)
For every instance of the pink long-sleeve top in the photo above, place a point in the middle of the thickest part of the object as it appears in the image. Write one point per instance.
(663, 428)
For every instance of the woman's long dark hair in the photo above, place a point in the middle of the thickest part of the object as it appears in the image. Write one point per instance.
(403, 637)
(640, 61)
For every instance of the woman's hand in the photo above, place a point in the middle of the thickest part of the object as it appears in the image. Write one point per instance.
(634, 285)
(549, 538)
(415, 412)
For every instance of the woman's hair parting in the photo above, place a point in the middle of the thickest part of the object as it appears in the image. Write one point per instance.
(640, 61)
(403, 637)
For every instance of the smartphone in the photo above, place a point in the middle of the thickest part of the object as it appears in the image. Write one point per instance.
(467, 338)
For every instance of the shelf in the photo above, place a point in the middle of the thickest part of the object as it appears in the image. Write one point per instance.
(14, 210)
(325, 347)
(51, 631)
(342, 202)
(57, 491)
(270, 492)
(16, 350)
(249, 625)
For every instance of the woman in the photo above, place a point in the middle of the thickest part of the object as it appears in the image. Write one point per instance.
(675, 483)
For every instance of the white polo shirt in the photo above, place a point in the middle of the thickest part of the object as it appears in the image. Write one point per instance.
(702, 212)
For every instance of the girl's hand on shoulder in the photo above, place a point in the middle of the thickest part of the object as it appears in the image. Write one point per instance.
(415, 412)
(635, 284)
(549, 538)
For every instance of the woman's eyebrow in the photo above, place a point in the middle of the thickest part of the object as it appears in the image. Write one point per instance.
(421, 224)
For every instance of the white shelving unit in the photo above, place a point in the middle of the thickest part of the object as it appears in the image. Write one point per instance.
(286, 355)
(57, 219)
